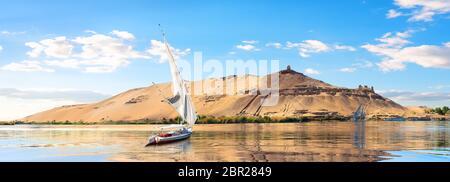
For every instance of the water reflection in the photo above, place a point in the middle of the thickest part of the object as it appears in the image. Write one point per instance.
(314, 141)
(359, 138)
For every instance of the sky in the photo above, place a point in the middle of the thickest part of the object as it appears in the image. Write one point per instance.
(56, 52)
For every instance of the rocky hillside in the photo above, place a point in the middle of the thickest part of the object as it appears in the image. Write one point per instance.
(300, 96)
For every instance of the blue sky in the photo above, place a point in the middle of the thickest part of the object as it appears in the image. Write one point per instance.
(345, 44)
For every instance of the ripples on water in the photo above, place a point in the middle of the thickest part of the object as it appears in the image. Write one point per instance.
(313, 141)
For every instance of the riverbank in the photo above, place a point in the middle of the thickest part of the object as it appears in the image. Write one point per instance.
(201, 120)
(7, 122)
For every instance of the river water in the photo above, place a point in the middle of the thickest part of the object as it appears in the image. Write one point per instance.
(330, 141)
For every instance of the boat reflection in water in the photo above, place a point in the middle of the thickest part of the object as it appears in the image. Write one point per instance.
(359, 138)
(312, 141)
(359, 118)
(175, 149)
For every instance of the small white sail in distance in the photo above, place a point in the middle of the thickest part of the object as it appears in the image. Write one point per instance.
(181, 100)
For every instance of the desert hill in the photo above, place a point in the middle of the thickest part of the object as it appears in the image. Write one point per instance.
(299, 96)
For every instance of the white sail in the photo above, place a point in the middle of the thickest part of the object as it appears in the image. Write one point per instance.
(181, 100)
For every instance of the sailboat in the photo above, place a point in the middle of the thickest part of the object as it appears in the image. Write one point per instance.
(359, 114)
(181, 101)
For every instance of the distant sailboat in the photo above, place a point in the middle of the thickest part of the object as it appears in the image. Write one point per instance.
(360, 114)
(181, 102)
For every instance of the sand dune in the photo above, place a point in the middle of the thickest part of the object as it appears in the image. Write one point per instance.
(299, 95)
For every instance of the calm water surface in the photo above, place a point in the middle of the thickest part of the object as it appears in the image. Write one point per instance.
(313, 141)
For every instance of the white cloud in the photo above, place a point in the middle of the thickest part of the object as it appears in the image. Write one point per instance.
(99, 45)
(416, 98)
(347, 70)
(231, 53)
(59, 47)
(68, 63)
(19, 103)
(363, 64)
(158, 49)
(9, 33)
(123, 35)
(250, 41)
(247, 47)
(312, 46)
(94, 53)
(310, 71)
(356, 66)
(290, 45)
(345, 47)
(392, 48)
(276, 45)
(90, 31)
(398, 39)
(421, 10)
(36, 49)
(439, 87)
(307, 47)
(1, 48)
(54, 94)
(393, 14)
(101, 53)
(26, 66)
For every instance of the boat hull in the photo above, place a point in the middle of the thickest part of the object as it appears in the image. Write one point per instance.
(157, 140)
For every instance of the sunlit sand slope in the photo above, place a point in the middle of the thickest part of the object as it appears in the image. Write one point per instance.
(299, 95)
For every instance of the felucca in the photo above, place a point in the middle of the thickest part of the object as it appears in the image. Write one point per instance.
(181, 101)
